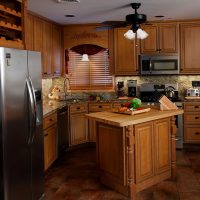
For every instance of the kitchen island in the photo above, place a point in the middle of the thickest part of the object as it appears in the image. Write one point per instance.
(135, 151)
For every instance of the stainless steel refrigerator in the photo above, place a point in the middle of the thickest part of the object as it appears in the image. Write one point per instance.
(21, 139)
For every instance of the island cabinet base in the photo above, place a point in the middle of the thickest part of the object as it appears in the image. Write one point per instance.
(134, 157)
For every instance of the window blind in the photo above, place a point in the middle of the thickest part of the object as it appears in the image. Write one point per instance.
(91, 75)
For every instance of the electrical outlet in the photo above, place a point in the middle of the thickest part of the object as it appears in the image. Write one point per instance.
(195, 83)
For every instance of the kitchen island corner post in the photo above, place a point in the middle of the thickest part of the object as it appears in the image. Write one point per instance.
(173, 148)
(130, 146)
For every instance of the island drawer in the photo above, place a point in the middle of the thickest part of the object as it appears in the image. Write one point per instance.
(78, 108)
(99, 107)
(192, 106)
(192, 118)
(49, 120)
(192, 134)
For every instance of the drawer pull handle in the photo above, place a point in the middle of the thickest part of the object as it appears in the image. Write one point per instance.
(196, 106)
(100, 106)
(197, 133)
(50, 120)
(78, 108)
(46, 135)
(196, 117)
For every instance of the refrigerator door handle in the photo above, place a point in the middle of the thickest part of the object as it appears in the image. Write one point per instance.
(33, 110)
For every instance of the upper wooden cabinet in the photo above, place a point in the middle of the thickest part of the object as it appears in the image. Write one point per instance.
(46, 37)
(190, 48)
(123, 53)
(12, 23)
(163, 38)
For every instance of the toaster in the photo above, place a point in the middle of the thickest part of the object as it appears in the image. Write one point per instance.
(192, 92)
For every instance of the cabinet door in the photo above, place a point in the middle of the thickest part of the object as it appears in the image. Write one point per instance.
(38, 35)
(190, 48)
(168, 38)
(162, 145)
(29, 37)
(92, 130)
(57, 50)
(47, 48)
(144, 152)
(150, 44)
(50, 147)
(125, 61)
(78, 129)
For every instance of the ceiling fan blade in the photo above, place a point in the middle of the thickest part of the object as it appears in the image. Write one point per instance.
(111, 26)
(113, 23)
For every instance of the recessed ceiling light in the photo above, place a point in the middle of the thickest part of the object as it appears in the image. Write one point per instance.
(159, 16)
(69, 15)
(65, 1)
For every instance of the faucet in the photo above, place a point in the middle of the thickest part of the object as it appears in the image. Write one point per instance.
(64, 85)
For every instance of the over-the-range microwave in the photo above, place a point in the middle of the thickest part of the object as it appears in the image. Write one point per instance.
(159, 64)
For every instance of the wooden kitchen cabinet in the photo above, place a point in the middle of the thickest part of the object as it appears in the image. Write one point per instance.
(190, 48)
(152, 151)
(163, 38)
(123, 53)
(46, 37)
(192, 122)
(96, 107)
(12, 23)
(50, 139)
(78, 124)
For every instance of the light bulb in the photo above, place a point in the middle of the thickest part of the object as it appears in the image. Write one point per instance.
(141, 34)
(129, 35)
(85, 57)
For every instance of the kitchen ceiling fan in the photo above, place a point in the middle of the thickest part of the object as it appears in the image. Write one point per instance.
(133, 20)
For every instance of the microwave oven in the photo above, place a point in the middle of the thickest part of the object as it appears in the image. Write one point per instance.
(159, 64)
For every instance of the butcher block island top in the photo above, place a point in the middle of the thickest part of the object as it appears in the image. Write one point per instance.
(135, 152)
(119, 119)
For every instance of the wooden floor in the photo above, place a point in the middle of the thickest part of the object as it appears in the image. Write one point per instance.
(74, 177)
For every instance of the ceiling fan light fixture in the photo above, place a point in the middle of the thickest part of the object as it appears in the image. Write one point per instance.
(141, 34)
(130, 35)
(85, 57)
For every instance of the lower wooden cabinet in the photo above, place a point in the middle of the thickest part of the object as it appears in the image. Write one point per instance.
(96, 107)
(192, 122)
(50, 139)
(50, 151)
(153, 149)
(78, 124)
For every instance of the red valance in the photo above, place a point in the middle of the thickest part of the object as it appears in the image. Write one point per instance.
(89, 49)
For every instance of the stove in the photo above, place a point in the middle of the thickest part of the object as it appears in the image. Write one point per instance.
(147, 91)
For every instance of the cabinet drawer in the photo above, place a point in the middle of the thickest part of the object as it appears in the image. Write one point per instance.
(193, 118)
(192, 134)
(78, 108)
(49, 120)
(192, 106)
(99, 107)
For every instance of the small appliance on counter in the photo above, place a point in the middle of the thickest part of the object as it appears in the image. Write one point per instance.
(194, 90)
(132, 88)
(120, 89)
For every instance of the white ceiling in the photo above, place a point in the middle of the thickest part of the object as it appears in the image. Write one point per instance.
(96, 11)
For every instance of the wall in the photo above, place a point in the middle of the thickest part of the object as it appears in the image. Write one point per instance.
(183, 83)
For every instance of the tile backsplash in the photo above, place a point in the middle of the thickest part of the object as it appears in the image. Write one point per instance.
(184, 82)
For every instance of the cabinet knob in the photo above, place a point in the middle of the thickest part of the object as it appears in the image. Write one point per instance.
(45, 73)
(196, 117)
(78, 108)
(196, 107)
(50, 120)
(46, 135)
(197, 133)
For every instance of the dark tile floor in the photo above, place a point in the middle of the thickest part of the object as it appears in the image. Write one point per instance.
(74, 177)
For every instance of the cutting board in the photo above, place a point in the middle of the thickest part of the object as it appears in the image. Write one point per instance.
(133, 112)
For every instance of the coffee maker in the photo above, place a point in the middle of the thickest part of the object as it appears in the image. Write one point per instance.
(120, 89)
(132, 88)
